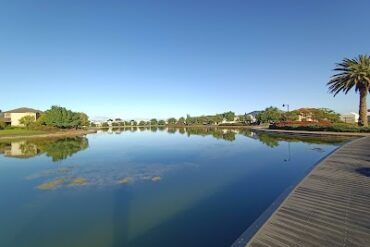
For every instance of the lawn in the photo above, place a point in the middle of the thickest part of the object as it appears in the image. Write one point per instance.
(21, 132)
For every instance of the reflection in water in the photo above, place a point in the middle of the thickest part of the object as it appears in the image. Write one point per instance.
(125, 174)
(269, 139)
(146, 189)
(56, 149)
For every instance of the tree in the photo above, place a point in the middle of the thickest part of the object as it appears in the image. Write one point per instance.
(229, 116)
(153, 121)
(353, 73)
(171, 120)
(27, 121)
(60, 117)
(218, 118)
(84, 119)
(270, 114)
(115, 124)
(190, 120)
(2, 125)
(142, 123)
(181, 121)
(290, 116)
(326, 114)
(161, 122)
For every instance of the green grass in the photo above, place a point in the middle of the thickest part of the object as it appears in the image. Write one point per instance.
(20, 132)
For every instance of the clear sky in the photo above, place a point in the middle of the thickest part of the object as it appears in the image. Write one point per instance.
(142, 59)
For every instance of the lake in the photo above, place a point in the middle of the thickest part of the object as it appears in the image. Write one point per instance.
(147, 186)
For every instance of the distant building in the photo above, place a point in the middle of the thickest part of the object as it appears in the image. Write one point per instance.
(350, 117)
(252, 116)
(97, 123)
(353, 117)
(306, 114)
(12, 117)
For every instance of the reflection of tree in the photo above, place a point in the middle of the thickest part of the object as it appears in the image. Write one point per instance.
(57, 149)
(64, 148)
(171, 130)
(28, 149)
(268, 140)
(229, 136)
(182, 131)
(215, 132)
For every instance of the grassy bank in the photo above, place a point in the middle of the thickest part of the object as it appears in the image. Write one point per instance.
(334, 127)
(14, 133)
(21, 132)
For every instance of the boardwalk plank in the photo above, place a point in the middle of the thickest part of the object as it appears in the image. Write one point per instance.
(330, 207)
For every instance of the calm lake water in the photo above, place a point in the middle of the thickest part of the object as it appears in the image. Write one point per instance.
(146, 187)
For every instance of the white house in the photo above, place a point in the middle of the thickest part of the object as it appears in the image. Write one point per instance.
(351, 117)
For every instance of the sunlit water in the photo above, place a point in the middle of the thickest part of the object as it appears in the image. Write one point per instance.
(146, 187)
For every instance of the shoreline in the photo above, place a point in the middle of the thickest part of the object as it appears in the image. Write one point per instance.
(67, 133)
(323, 181)
(258, 129)
(310, 133)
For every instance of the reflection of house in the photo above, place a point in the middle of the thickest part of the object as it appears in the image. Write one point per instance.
(350, 117)
(12, 117)
(21, 149)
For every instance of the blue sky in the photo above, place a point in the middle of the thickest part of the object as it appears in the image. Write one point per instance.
(142, 59)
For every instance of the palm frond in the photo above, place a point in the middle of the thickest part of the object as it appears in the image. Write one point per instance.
(353, 72)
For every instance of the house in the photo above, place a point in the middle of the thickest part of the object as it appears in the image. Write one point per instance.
(110, 122)
(350, 117)
(12, 117)
(251, 117)
(353, 117)
(306, 114)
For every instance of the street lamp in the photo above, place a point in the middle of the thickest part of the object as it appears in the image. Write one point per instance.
(287, 106)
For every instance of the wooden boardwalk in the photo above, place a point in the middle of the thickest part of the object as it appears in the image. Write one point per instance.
(330, 207)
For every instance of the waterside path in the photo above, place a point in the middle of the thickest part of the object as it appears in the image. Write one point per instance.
(329, 207)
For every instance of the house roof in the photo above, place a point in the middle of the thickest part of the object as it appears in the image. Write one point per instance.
(23, 110)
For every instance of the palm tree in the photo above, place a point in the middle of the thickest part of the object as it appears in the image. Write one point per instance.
(353, 73)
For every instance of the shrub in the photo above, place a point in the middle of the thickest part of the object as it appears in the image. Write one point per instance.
(318, 126)
(2, 125)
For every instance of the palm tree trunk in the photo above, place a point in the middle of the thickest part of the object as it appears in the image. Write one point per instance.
(363, 121)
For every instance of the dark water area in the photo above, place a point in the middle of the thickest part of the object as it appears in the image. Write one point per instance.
(146, 187)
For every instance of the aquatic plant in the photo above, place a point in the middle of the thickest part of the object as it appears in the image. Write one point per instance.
(51, 184)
